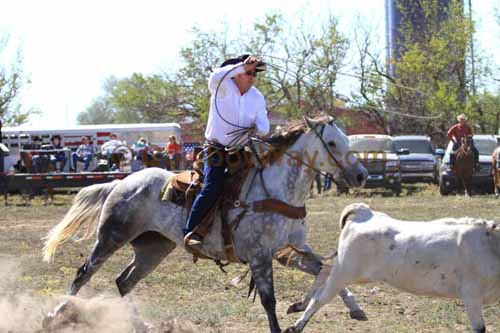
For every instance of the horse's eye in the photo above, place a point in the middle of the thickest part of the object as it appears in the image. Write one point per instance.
(332, 144)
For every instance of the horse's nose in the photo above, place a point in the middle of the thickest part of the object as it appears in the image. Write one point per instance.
(360, 178)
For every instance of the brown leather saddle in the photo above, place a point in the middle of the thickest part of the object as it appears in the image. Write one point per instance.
(183, 188)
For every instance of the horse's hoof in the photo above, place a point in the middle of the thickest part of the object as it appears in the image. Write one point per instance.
(358, 315)
(291, 329)
(295, 307)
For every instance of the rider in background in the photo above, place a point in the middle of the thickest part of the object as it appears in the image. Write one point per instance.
(456, 133)
(239, 103)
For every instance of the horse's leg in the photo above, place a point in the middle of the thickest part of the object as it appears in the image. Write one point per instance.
(262, 272)
(150, 249)
(496, 179)
(313, 266)
(464, 184)
(102, 250)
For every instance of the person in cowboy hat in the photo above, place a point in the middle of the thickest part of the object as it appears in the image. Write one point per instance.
(456, 133)
(234, 103)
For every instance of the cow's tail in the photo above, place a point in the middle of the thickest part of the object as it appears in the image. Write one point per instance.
(352, 209)
(86, 209)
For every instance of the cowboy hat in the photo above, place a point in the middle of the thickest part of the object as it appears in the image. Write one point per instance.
(261, 66)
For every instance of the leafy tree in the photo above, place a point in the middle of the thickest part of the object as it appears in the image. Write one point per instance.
(430, 82)
(301, 71)
(301, 75)
(12, 79)
(151, 98)
(100, 111)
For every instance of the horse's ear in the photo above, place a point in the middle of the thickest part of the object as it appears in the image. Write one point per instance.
(311, 123)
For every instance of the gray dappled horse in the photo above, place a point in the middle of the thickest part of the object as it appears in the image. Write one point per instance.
(130, 211)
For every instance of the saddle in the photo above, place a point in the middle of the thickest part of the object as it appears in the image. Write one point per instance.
(183, 188)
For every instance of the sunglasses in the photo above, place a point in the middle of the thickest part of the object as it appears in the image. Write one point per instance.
(251, 73)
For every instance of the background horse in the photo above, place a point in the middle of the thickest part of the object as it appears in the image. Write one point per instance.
(496, 170)
(464, 165)
(130, 211)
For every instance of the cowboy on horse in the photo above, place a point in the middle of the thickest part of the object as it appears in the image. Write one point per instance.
(239, 106)
(455, 134)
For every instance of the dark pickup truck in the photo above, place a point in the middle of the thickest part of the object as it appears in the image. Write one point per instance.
(422, 163)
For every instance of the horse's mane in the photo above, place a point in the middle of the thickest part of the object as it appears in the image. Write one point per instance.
(280, 142)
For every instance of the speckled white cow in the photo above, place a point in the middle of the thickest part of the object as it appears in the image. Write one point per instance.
(455, 258)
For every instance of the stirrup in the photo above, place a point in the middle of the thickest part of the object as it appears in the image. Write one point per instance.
(192, 239)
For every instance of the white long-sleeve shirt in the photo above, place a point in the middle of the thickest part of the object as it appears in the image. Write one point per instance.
(244, 110)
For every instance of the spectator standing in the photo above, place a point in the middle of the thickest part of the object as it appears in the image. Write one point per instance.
(172, 150)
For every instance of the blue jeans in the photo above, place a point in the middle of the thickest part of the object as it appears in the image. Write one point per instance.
(39, 163)
(86, 159)
(328, 182)
(58, 158)
(213, 180)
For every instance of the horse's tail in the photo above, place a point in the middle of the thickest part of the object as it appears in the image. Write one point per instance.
(86, 208)
(352, 209)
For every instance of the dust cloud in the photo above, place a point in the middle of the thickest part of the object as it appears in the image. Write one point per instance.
(25, 311)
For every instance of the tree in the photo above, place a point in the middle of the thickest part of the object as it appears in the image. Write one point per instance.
(301, 75)
(100, 111)
(151, 98)
(429, 86)
(12, 79)
(302, 67)
(137, 99)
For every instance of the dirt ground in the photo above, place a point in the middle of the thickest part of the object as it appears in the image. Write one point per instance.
(200, 297)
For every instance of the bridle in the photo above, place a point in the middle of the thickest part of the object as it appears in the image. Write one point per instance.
(324, 144)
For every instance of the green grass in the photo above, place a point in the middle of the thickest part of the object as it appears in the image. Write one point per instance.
(202, 294)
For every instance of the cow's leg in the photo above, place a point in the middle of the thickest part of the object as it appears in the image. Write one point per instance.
(474, 310)
(333, 285)
(313, 266)
(262, 272)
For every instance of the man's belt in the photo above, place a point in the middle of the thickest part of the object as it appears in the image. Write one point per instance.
(214, 144)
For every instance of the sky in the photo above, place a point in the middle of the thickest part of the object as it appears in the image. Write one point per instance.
(70, 47)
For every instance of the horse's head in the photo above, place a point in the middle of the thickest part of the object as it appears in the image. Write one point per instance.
(331, 150)
(467, 143)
